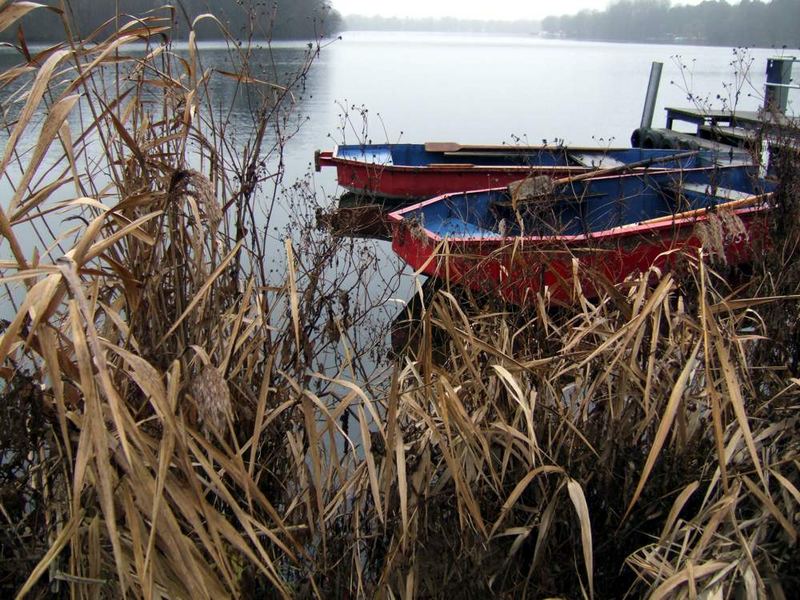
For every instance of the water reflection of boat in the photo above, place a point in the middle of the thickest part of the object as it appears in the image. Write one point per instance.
(358, 216)
(408, 172)
(610, 227)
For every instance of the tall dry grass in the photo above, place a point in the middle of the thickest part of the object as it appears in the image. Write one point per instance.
(627, 448)
(180, 425)
(144, 332)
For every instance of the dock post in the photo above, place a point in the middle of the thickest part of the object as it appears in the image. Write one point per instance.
(779, 77)
(652, 94)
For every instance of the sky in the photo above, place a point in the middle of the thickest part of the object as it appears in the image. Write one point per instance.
(506, 10)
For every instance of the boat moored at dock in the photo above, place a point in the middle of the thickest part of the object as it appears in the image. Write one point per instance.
(412, 172)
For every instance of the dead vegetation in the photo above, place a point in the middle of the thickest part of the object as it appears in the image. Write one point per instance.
(179, 424)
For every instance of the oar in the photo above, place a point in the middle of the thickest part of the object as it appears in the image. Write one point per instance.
(597, 173)
(454, 147)
(688, 214)
(511, 149)
(623, 168)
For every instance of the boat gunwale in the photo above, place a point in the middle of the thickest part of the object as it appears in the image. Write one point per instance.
(619, 232)
(335, 160)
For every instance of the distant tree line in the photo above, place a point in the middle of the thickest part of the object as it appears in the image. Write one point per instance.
(263, 19)
(446, 24)
(749, 23)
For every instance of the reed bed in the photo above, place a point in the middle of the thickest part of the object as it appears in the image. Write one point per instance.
(178, 423)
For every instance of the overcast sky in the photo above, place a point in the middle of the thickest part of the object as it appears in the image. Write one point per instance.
(506, 10)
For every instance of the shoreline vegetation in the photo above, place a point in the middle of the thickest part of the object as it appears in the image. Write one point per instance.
(180, 421)
(240, 20)
(751, 23)
(439, 25)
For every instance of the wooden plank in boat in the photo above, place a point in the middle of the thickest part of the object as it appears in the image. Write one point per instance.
(442, 147)
(501, 148)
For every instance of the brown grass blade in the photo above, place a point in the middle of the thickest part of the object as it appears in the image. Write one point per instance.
(56, 117)
(677, 507)
(666, 424)
(402, 488)
(527, 407)
(666, 589)
(582, 509)
(198, 297)
(542, 536)
(294, 302)
(14, 73)
(232, 535)
(40, 195)
(243, 78)
(64, 537)
(38, 89)
(34, 307)
(737, 402)
(518, 490)
(767, 502)
(371, 468)
(12, 12)
(132, 228)
(788, 485)
(97, 438)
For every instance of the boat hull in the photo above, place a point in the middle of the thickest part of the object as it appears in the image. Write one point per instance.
(412, 183)
(407, 173)
(517, 269)
(464, 238)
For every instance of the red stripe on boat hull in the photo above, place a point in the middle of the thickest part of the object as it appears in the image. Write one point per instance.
(519, 268)
(423, 182)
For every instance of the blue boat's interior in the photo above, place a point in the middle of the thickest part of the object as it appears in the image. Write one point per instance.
(415, 155)
(590, 206)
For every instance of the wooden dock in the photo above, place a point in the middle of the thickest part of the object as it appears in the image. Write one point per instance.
(719, 130)
(744, 119)
(727, 130)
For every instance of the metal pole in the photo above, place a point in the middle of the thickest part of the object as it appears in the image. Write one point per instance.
(779, 78)
(652, 94)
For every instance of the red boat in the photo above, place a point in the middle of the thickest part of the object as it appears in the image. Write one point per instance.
(609, 228)
(411, 172)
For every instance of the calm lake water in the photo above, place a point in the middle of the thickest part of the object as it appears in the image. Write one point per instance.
(488, 89)
(417, 87)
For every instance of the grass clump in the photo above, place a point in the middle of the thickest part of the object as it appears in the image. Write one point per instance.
(183, 424)
(631, 448)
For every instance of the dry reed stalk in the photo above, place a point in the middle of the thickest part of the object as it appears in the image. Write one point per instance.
(608, 356)
(115, 330)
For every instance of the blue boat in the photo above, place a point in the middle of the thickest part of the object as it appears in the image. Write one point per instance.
(583, 231)
(416, 171)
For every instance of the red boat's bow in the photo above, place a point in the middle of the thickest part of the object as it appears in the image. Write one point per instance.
(323, 159)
